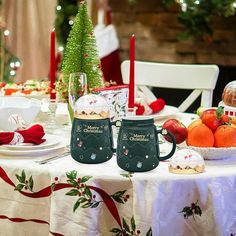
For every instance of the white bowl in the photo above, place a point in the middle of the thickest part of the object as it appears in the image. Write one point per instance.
(27, 108)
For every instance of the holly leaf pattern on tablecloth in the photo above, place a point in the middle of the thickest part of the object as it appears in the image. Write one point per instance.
(24, 183)
(80, 189)
(127, 175)
(86, 197)
(149, 233)
(73, 192)
(129, 230)
(21, 178)
(192, 210)
(119, 196)
(19, 187)
(133, 225)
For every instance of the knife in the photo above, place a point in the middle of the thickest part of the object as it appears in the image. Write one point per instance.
(45, 161)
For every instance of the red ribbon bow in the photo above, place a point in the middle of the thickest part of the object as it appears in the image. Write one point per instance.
(34, 135)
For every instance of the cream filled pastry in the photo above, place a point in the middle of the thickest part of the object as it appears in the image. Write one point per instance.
(186, 161)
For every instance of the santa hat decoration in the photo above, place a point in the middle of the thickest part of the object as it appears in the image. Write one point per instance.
(157, 105)
(148, 109)
(139, 109)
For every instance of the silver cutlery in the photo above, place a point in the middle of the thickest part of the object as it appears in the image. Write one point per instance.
(47, 160)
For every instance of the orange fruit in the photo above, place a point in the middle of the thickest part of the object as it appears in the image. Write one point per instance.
(234, 121)
(194, 123)
(200, 136)
(225, 136)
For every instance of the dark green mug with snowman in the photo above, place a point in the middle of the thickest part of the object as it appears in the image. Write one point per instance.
(138, 144)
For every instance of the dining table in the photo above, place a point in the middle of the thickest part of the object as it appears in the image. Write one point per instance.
(63, 197)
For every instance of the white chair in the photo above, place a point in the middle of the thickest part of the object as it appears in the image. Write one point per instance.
(199, 78)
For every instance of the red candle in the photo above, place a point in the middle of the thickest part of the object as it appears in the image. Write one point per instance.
(131, 72)
(52, 66)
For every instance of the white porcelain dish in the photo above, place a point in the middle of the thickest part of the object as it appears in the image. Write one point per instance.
(27, 108)
(31, 153)
(51, 140)
(166, 112)
(215, 153)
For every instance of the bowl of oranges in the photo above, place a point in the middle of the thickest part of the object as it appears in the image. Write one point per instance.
(213, 135)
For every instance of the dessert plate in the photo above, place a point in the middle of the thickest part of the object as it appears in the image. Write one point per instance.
(165, 112)
(51, 140)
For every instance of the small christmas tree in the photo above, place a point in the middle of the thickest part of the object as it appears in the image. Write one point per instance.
(81, 53)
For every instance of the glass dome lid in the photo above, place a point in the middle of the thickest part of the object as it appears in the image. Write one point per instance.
(91, 106)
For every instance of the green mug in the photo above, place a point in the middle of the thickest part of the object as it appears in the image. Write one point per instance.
(91, 140)
(138, 145)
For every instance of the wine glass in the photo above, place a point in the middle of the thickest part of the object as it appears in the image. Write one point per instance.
(77, 87)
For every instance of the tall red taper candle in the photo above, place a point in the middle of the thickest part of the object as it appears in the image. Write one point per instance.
(131, 72)
(52, 66)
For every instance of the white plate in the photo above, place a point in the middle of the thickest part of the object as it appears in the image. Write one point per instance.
(165, 112)
(215, 153)
(33, 152)
(51, 140)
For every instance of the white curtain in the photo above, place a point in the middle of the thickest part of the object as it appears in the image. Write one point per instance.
(30, 23)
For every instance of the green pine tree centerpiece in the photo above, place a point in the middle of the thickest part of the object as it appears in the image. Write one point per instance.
(81, 53)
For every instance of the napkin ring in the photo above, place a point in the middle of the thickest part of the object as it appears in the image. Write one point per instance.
(17, 138)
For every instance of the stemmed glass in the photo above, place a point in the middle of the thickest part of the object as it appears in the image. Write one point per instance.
(77, 87)
(49, 106)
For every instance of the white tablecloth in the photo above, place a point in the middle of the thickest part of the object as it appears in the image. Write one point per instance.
(105, 199)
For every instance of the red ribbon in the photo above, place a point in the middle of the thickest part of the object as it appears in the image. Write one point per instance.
(18, 220)
(48, 191)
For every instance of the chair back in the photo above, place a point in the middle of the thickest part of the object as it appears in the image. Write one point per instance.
(199, 78)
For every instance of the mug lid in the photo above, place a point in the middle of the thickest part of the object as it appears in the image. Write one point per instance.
(137, 117)
(139, 121)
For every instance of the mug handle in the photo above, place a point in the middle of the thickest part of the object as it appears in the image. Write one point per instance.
(165, 132)
(116, 123)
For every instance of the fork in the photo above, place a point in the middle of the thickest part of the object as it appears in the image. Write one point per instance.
(45, 161)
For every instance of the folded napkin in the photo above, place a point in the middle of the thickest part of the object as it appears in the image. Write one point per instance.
(34, 135)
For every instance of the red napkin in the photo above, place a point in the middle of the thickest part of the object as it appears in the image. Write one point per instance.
(32, 135)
